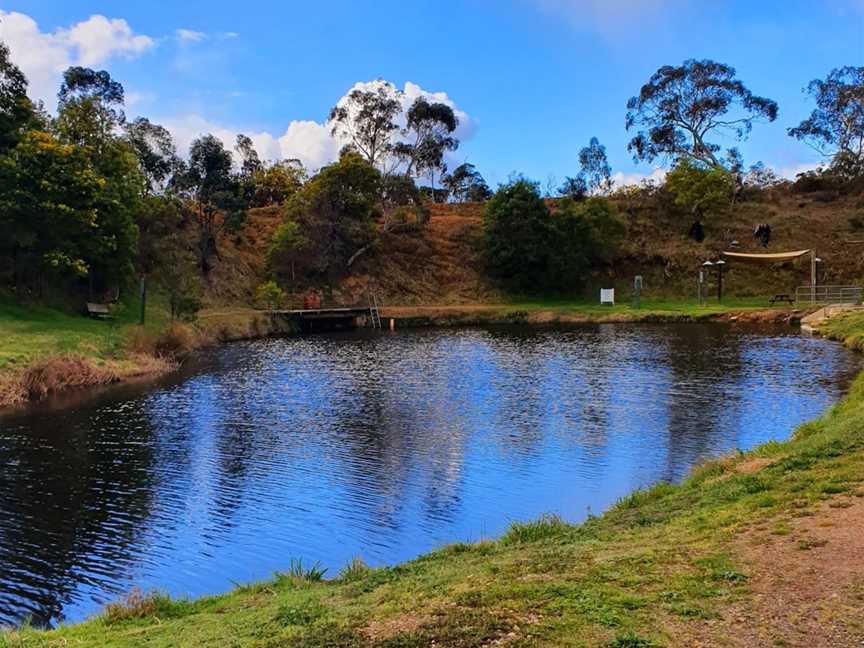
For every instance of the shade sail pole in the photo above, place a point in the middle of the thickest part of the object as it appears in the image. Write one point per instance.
(812, 276)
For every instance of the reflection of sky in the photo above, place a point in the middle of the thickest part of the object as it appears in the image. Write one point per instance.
(330, 447)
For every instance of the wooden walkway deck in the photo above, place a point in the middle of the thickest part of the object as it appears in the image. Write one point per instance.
(317, 319)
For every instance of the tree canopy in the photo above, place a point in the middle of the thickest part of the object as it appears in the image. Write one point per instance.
(700, 190)
(681, 108)
(16, 110)
(367, 119)
(155, 149)
(529, 247)
(835, 128)
(329, 222)
(465, 184)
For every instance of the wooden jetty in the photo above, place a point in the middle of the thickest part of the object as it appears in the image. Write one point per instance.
(310, 320)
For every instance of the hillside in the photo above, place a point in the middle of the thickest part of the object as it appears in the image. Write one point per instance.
(442, 264)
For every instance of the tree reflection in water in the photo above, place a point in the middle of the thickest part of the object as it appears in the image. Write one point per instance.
(380, 446)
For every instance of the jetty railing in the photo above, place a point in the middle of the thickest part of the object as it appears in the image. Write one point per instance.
(828, 294)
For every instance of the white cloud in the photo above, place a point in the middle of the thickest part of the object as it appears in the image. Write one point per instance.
(189, 35)
(308, 141)
(43, 56)
(97, 39)
(791, 172)
(658, 175)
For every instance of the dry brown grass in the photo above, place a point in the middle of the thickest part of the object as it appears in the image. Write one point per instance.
(11, 389)
(61, 373)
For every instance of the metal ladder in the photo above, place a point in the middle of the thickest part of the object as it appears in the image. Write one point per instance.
(374, 314)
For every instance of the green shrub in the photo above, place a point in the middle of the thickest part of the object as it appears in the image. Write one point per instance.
(297, 571)
(355, 570)
(548, 526)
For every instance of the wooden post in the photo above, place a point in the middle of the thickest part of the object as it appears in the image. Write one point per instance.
(143, 299)
(812, 276)
(392, 324)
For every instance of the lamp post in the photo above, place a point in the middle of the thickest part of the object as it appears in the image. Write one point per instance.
(720, 265)
(817, 261)
(707, 266)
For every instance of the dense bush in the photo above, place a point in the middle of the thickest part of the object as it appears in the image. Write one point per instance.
(529, 247)
(329, 222)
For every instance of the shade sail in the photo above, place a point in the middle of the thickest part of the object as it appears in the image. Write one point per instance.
(777, 257)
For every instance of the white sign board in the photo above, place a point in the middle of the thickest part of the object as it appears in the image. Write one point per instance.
(607, 296)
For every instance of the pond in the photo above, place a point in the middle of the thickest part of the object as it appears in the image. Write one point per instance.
(382, 446)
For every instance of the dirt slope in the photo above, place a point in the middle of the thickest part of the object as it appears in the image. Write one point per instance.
(441, 263)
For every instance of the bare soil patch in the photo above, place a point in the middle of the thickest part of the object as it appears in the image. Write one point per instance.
(806, 586)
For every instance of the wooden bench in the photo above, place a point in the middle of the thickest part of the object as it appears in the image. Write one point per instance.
(781, 297)
(99, 311)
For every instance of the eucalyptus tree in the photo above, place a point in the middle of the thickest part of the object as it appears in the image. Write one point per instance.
(835, 128)
(367, 119)
(90, 107)
(595, 168)
(682, 108)
(428, 134)
(215, 191)
(465, 184)
(155, 149)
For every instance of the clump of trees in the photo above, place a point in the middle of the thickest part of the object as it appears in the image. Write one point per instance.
(329, 223)
(70, 187)
(412, 143)
(700, 190)
(89, 200)
(529, 247)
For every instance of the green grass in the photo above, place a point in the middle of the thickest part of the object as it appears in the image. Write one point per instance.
(661, 558)
(28, 333)
(847, 328)
(684, 307)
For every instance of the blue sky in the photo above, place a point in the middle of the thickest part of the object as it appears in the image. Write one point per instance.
(536, 78)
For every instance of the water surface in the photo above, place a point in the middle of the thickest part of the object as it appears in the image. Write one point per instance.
(382, 446)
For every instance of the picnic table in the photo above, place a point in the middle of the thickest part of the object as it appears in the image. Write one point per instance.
(781, 297)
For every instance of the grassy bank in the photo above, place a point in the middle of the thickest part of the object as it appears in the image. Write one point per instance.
(758, 549)
(552, 311)
(45, 351)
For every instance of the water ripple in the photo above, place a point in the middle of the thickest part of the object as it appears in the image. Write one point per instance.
(380, 446)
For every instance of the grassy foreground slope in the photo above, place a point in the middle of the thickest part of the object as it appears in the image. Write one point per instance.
(759, 549)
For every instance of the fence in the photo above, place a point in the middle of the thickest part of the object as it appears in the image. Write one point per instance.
(828, 294)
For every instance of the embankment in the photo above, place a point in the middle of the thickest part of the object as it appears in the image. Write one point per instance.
(756, 549)
(142, 354)
(544, 314)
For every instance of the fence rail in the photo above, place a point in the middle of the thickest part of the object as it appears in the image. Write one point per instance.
(828, 294)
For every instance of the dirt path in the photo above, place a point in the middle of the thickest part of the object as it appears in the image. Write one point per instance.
(806, 582)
